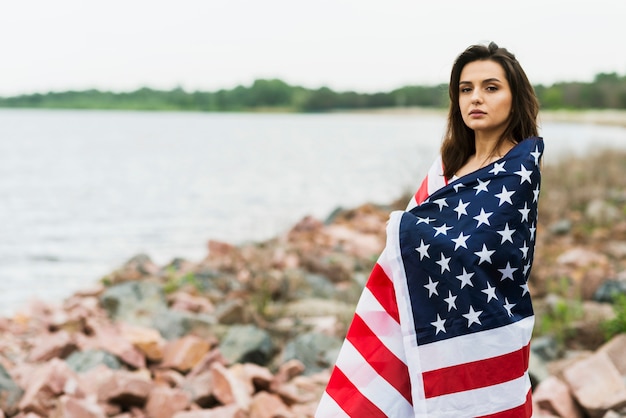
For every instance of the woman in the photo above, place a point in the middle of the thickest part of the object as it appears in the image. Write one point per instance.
(443, 326)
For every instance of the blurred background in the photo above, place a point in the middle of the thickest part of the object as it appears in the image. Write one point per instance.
(153, 126)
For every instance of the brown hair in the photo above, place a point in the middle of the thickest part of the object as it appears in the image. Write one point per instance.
(458, 144)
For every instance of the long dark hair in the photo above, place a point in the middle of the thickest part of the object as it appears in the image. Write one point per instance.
(458, 144)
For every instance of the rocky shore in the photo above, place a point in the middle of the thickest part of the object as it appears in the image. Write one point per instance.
(252, 330)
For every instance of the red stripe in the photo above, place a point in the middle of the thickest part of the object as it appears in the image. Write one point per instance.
(382, 289)
(386, 364)
(525, 410)
(422, 192)
(348, 397)
(476, 374)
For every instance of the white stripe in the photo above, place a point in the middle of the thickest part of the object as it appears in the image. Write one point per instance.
(477, 346)
(436, 180)
(381, 323)
(483, 401)
(371, 384)
(328, 408)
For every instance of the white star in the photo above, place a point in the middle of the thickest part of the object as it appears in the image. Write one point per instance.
(423, 220)
(507, 272)
(482, 186)
(507, 234)
(526, 268)
(484, 254)
(505, 196)
(490, 292)
(458, 186)
(443, 229)
(465, 278)
(536, 154)
(460, 241)
(524, 212)
(524, 288)
(497, 167)
(441, 203)
(439, 325)
(432, 287)
(532, 232)
(524, 174)
(423, 250)
(451, 301)
(508, 306)
(536, 194)
(460, 209)
(472, 316)
(483, 218)
(443, 262)
(524, 250)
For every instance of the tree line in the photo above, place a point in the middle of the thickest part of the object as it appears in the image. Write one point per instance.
(606, 91)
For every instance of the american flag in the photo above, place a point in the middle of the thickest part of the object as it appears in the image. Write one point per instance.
(444, 322)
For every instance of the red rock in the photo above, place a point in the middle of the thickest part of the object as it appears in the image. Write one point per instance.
(596, 384)
(184, 353)
(147, 340)
(48, 346)
(126, 388)
(267, 405)
(70, 407)
(554, 396)
(164, 402)
(45, 386)
(228, 389)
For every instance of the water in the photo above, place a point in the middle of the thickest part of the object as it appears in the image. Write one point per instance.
(83, 191)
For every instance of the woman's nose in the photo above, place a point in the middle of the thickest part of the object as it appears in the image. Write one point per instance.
(476, 96)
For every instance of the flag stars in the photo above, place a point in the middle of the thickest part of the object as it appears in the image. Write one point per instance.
(483, 217)
(507, 272)
(460, 209)
(536, 194)
(532, 232)
(505, 196)
(482, 186)
(508, 306)
(490, 291)
(524, 174)
(461, 241)
(443, 229)
(484, 255)
(525, 212)
(444, 263)
(526, 268)
(432, 287)
(524, 289)
(451, 301)
(536, 155)
(465, 278)
(458, 186)
(524, 249)
(507, 234)
(497, 168)
(439, 325)
(441, 203)
(423, 250)
(472, 316)
(426, 220)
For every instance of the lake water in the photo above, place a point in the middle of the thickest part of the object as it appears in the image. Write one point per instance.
(83, 191)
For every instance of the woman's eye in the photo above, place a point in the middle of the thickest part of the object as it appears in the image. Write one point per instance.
(465, 89)
(492, 88)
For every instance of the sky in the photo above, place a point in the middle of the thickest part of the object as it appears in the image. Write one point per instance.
(361, 45)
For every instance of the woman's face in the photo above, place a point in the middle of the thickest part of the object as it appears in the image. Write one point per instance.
(485, 97)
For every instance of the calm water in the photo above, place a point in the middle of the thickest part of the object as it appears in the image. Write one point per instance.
(83, 191)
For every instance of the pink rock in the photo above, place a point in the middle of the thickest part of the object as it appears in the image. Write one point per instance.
(227, 411)
(183, 301)
(168, 377)
(184, 353)
(70, 407)
(615, 349)
(108, 337)
(147, 340)
(126, 388)
(554, 396)
(228, 389)
(58, 344)
(200, 388)
(164, 402)
(287, 371)
(209, 358)
(267, 405)
(260, 376)
(45, 386)
(596, 384)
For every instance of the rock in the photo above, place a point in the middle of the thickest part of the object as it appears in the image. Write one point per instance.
(135, 303)
(82, 361)
(554, 395)
(562, 227)
(247, 343)
(10, 393)
(126, 388)
(227, 389)
(615, 349)
(176, 324)
(184, 353)
(227, 411)
(45, 386)
(581, 257)
(267, 405)
(596, 384)
(164, 402)
(200, 389)
(316, 351)
(147, 340)
(232, 312)
(70, 407)
(609, 290)
(601, 212)
(48, 346)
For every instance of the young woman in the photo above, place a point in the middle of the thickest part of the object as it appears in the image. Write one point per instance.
(444, 323)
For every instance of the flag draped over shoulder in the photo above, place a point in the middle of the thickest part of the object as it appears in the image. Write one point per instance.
(444, 323)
